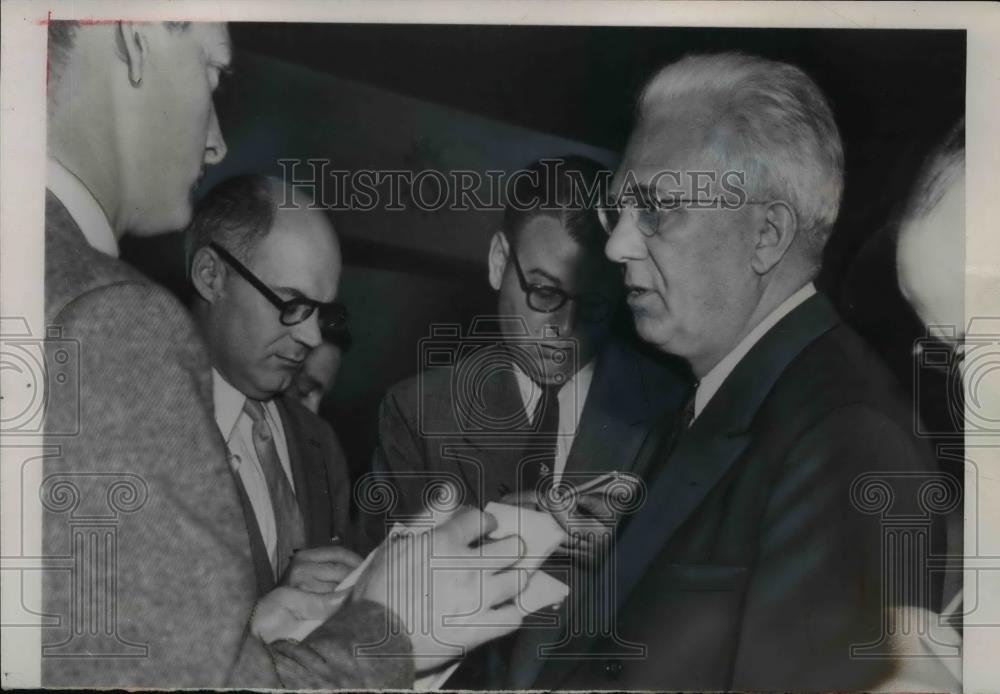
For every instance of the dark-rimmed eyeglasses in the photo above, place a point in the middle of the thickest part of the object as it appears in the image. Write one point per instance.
(545, 298)
(647, 209)
(292, 311)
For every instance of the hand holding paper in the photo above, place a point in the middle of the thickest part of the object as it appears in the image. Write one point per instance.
(286, 611)
(474, 595)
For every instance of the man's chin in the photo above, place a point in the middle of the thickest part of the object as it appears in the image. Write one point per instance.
(165, 222)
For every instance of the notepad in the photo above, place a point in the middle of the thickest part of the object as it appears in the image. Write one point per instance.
(541, 535)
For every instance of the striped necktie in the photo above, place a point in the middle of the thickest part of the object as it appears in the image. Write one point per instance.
(289, 526)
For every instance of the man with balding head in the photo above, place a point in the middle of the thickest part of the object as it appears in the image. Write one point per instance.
(261, 271)
(760, 559)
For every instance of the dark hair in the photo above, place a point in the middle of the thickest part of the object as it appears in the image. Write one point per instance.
(339, 337)
(236, 214)
(570, 188)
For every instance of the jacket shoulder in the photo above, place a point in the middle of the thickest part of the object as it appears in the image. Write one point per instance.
(310, 423)
(835, 374)
(72, 267)
(429, 386)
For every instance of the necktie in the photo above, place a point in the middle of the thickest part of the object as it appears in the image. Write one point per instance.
(678, 428)
(545, 428)
(289, 526)
(687, 414)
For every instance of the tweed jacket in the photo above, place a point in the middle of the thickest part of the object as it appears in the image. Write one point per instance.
(149, 579)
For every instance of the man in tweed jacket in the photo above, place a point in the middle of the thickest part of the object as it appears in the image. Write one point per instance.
(173, 601)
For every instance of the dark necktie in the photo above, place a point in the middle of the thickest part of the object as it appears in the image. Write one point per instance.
(678, 428)
(545, 435)
(289, 526)
(687, 414)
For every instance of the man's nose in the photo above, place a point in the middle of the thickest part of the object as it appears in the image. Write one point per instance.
(625, 242)
(562, 322)
(307, 332)
(215, 145)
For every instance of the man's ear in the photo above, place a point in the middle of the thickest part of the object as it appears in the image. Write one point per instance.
(775, 232)
(208, 274)
(133, 49)
(499, 253)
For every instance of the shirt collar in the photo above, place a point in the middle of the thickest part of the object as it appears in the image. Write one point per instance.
(228, 404)
(713, 380)
(82, 207)
(531, 393)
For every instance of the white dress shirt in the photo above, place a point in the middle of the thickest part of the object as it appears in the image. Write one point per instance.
(571, 397)
(82, 207)
(713, 380)
(237, 428)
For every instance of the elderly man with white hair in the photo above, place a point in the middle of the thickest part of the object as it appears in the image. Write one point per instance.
(769, 553)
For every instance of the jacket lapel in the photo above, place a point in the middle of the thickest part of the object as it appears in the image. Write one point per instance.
(705, 452)
(630, 393)
(263, 571)
(495, 437)
(615, 415)
(708, 450)
(305, 456)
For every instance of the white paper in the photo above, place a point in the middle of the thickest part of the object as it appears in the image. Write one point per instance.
(541, 535)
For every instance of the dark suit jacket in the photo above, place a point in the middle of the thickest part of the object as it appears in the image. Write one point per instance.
(758, 559)
(322, 486)
(140, 506)
(426, 437)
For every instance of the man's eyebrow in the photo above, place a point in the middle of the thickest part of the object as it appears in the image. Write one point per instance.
(296, 294)
(545, 275)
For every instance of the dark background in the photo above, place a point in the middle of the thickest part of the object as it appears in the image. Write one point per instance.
(893, 93)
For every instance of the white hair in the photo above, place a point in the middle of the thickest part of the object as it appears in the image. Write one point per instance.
(773, 123)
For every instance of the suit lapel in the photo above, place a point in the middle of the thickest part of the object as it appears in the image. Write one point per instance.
(629, 396)
(615, 415)
(305, 456)
(707, 451)
(630, 393)
(263, 571)
(495, 437)
(718, 437)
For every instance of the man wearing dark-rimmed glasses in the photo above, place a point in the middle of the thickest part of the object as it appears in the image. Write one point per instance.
(266, 281)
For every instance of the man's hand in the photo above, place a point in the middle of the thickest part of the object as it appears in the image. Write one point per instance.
(589, 522)
(320, 569)
(278, 613)
(590, 528)
(454, 612)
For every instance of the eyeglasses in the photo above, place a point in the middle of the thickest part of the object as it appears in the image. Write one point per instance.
(647, 209)
(293, 311)
(544, 298)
